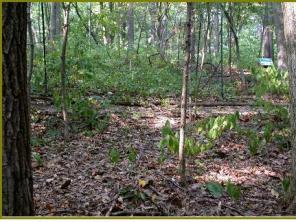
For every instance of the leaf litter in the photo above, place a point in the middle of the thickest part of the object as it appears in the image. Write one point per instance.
(77, 178)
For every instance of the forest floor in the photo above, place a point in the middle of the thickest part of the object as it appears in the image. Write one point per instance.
(77, 178)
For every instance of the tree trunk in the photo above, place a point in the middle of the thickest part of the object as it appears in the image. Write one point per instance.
(236, 41)
(193, 38)
(267, 51)
(63, 70)
(153, 15)
(31, 44)
(17, 181)
(216, 29)
(130, 32)
(289, 11)
(44, 50)
(182, 167)
(87, 27)
(55, 21)
(206, 36)
(280, 37)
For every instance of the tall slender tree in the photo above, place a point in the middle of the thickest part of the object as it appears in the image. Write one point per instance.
(130, 31)
(44, 50)
(182, 162)
(55, 21)
(17, 182)
(280, 37)
(63, 69)
(31, 44)
(267, 44)
(289, 11)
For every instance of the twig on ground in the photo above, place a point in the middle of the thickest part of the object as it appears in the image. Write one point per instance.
(112, 205)
(136, 213)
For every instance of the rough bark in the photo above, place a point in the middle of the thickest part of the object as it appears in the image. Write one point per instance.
(63, 70)
(55, 21)
(289, 11)
(182, 167)
(280, 37)
(17, 182)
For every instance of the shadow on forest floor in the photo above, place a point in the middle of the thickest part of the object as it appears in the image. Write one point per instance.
(98, 187)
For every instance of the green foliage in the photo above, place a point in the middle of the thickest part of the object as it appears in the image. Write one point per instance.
(267, 132)
(132, 193)
(38, 158)
(270, 81)
(37, 141)
(132, 154)
(253, 141)
(215, 189)
(233, 191)
(114, 155)
(286, 184)
(214, 127)
(211, 129)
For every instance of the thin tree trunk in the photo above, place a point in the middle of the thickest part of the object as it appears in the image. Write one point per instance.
(17, 181)
(267, 49)
(198, 49)
(130, 32)
(182, 163)
(63, 70)
(87, 28)
(280, 37)
(206, 36)
(44, 51)
(55, 21)
(178, 42)
(39, 23)
(289, 11)
(31, 44)
(221, 52)
(236, 41)
(229, 41)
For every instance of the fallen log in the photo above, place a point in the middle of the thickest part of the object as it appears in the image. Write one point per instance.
(213, 104)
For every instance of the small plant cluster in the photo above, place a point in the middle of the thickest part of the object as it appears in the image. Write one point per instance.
(83, 109)
(217, 190)
(276, 117)
(114, 155)
(210, 129)
(270, 81)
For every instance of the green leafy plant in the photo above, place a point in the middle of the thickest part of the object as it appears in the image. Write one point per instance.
(214, 127)
(286, 184)
(233, 191)
(215, 189)
(253, 141)
(114, 155)
(132, 155)
(38, 158)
